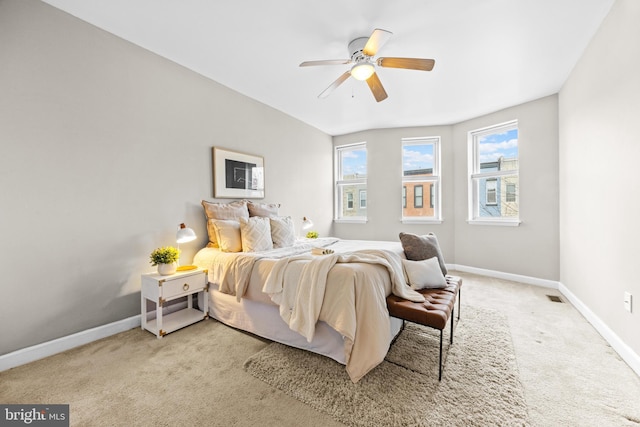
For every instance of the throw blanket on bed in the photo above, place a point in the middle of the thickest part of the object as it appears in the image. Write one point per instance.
(300, 302)
(232, 271)
(301, 294)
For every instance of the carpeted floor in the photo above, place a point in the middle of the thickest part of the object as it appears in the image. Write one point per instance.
(480, 384)
(195, 376)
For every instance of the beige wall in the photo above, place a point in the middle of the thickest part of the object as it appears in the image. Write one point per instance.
(532, 248)
(384, 192)
(106, 148)
(599, 186)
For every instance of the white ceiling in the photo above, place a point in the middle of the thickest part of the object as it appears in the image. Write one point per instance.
(490, 54)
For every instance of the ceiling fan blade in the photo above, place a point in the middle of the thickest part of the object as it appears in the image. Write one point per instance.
(376, 40)
(376, 88)
(407, 63)
(325, 62)
(335, 84)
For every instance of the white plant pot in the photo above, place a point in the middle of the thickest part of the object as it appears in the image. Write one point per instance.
(167, 269)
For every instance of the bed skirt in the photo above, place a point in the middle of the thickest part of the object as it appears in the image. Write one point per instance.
(264, 320)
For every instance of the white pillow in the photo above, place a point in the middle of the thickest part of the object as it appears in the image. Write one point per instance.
(227, 234)
(256, 234)
(283, 233)
(424, 274)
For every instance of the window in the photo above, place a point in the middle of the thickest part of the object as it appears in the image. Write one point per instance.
(492, 189)
(431, 196)
(493, 175)
(420, 173)
(363, 199)
(511, 192)
(404, 196)
(417, 196)
(351, 179)
(349, 200)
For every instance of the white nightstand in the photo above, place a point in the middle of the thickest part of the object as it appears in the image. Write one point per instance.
(161, 289)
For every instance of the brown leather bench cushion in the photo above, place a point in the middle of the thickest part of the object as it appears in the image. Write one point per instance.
(434, 311)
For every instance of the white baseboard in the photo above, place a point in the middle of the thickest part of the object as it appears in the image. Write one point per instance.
(624, 351)
(39, 351)
(49, 348)
(506, 276)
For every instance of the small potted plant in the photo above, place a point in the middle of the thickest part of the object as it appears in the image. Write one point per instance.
(312, 235)
(166, 258)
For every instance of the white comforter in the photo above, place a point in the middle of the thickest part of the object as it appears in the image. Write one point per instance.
(346, 290)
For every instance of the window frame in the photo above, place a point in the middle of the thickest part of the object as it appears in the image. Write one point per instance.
(434, 180)
(340, 183)
(475, 176)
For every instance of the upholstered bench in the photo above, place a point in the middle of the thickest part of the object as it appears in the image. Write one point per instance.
(436, 311)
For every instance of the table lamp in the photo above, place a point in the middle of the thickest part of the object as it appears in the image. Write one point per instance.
(184, 235)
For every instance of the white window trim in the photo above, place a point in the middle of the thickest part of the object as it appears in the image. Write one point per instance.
(475, 175)
(339, 183)
(418, 220)
(434, 179)
(355, 220)
(505, 222)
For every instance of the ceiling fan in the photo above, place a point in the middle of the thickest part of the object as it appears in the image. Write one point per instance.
(362, 51)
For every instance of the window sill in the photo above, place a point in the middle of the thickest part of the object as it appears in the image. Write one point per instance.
(421, 221)
(497, 222)
(350, 221)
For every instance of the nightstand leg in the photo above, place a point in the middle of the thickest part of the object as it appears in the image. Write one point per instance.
(205, 295)
(159, 318)
(143, 313)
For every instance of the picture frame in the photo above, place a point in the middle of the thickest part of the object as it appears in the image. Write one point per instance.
(237, 175)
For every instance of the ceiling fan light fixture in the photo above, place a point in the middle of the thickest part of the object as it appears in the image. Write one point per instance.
(362, 71)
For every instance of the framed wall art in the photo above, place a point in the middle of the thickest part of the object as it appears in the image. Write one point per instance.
(237, 175)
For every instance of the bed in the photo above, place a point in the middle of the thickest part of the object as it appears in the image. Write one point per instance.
(353, 325)
(324, 295)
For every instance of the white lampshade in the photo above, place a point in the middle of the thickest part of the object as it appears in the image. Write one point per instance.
(306, 223)
(185, 234)
(362, 71)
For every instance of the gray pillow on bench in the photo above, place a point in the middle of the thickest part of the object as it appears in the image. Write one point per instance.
(418, 248)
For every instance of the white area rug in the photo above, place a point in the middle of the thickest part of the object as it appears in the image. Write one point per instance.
(480, 384)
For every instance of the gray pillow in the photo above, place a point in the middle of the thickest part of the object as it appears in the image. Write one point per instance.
(418, 248)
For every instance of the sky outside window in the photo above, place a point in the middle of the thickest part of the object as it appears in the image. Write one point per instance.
(492, 147)
(416, 157)
(354, 162)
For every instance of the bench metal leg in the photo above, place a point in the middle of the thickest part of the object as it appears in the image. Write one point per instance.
(451, 334)
(440, 362)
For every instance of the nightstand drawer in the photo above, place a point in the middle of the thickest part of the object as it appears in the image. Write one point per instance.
(182, 285)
